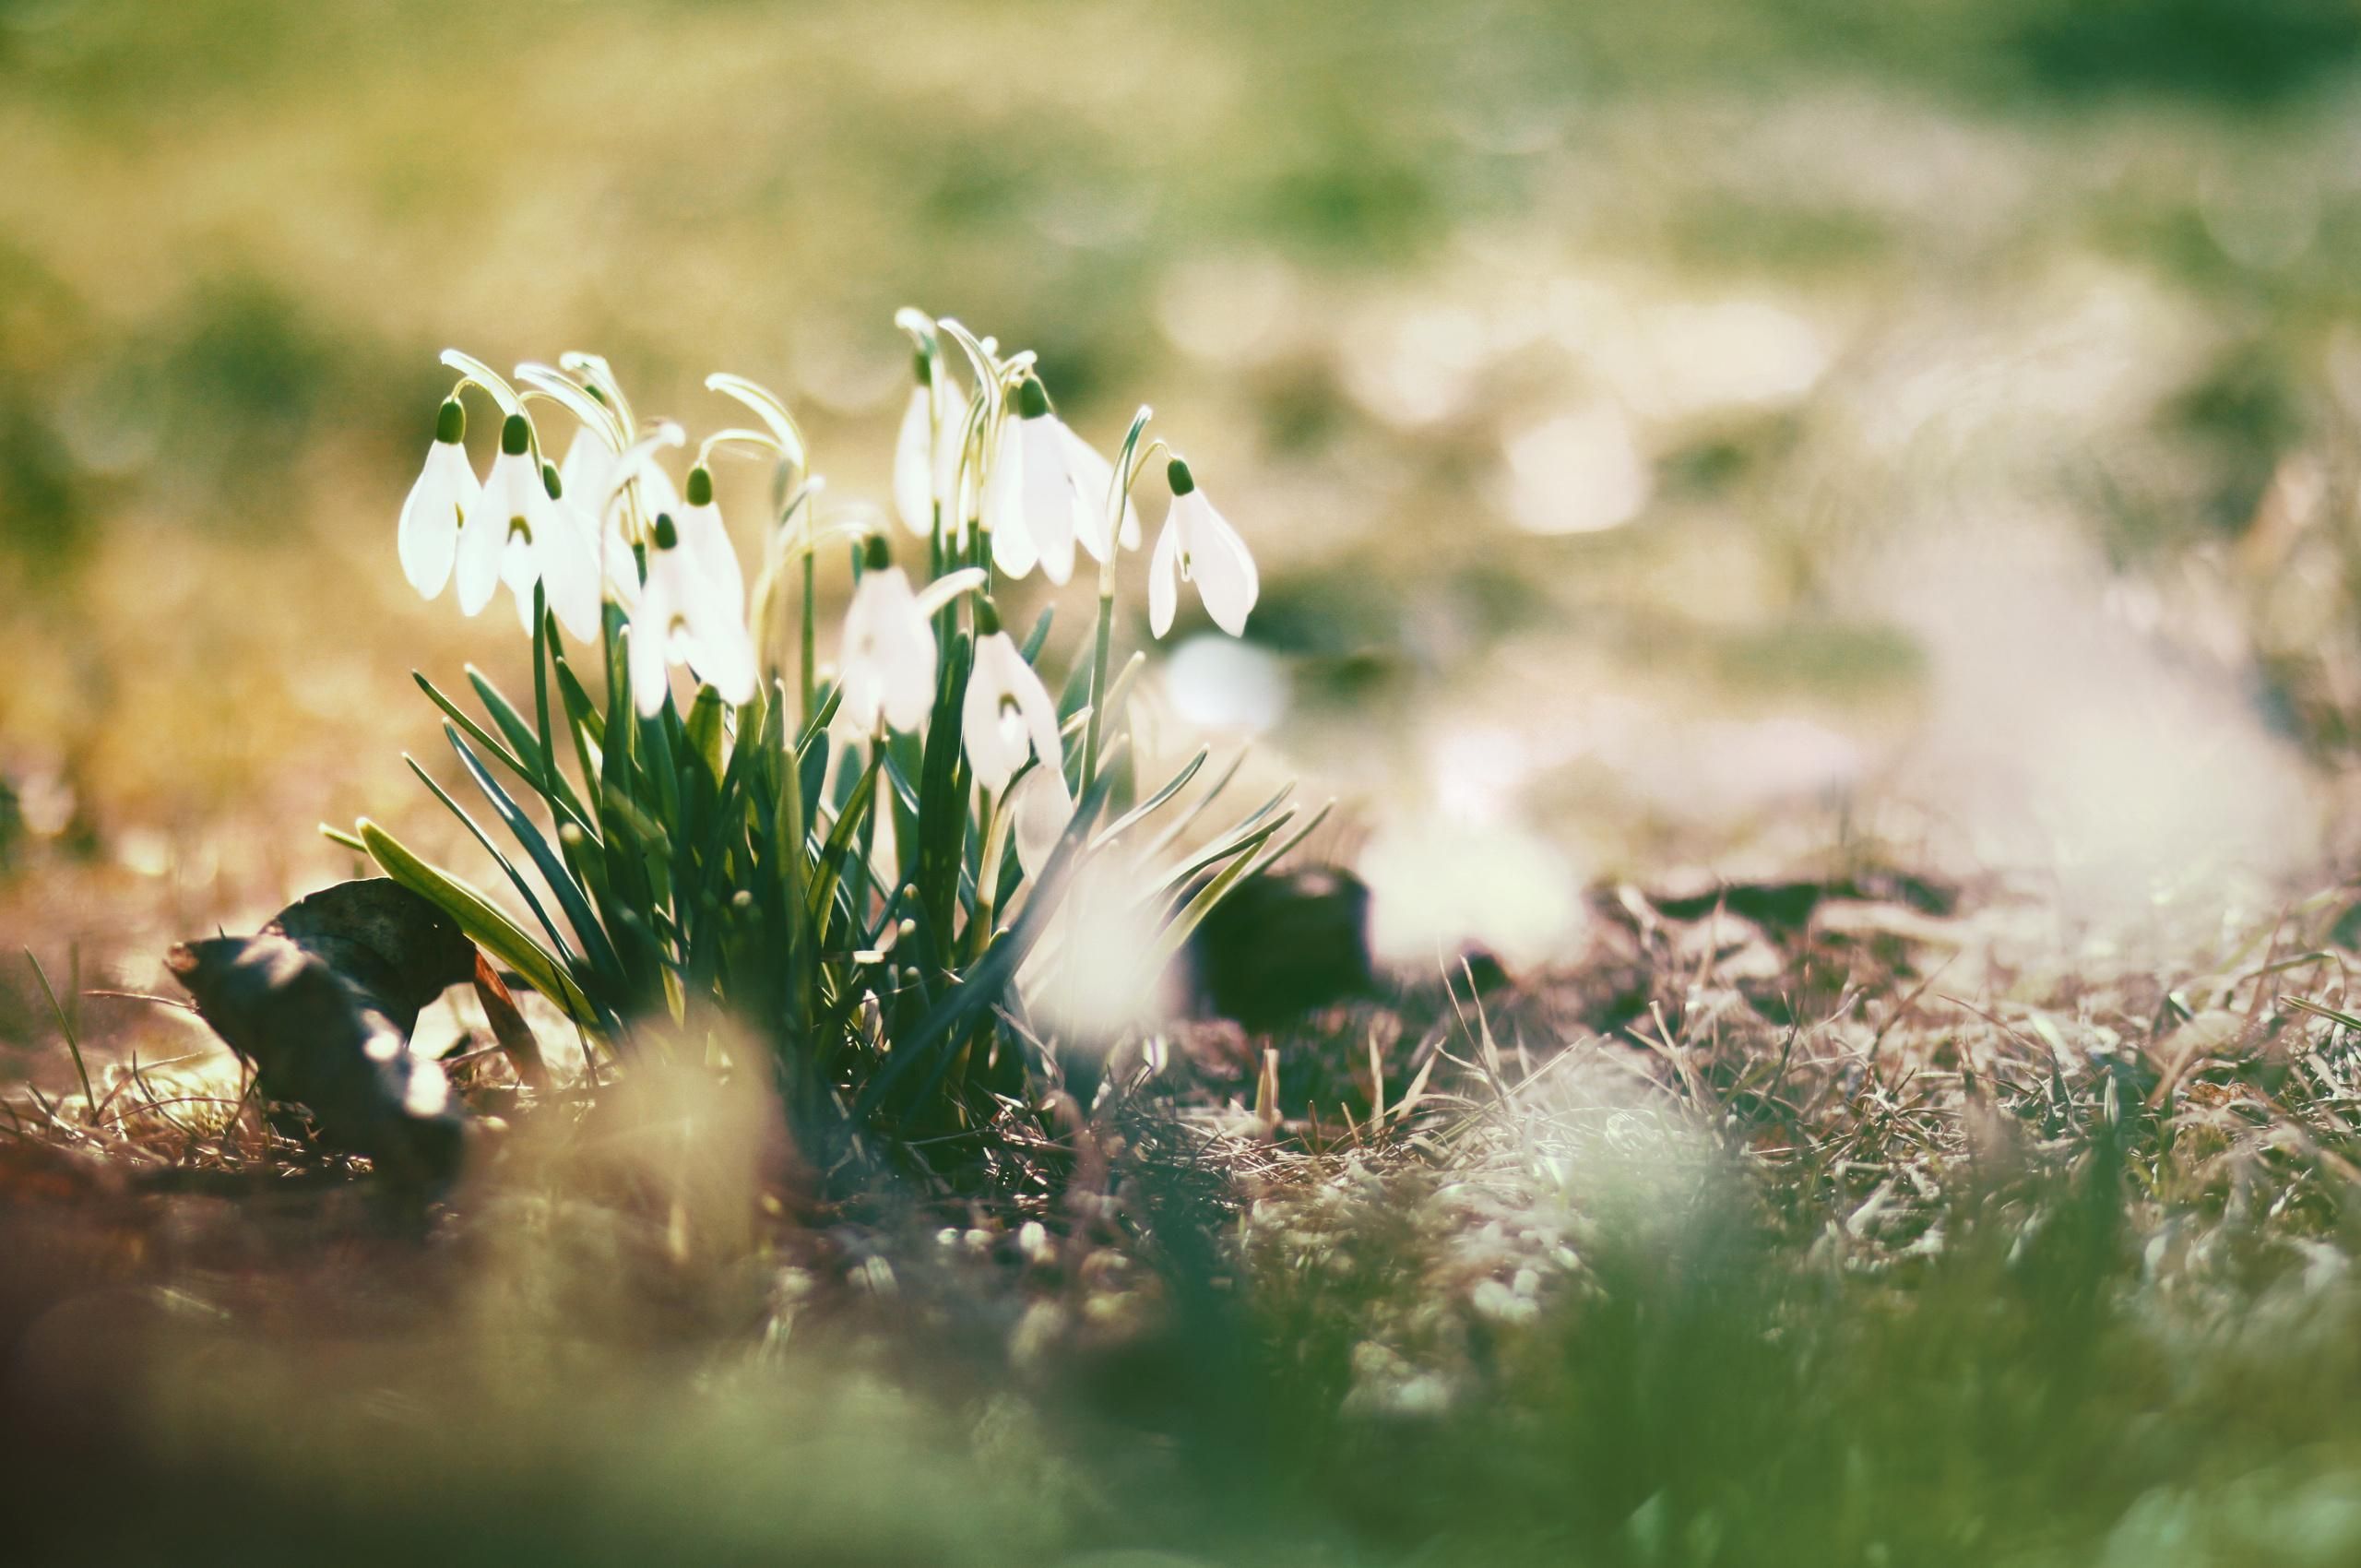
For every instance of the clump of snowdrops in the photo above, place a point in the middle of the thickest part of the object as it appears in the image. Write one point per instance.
(722, 837)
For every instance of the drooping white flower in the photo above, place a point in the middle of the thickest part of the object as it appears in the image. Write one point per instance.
(589, 475)
(446, 490)
(518, 535)
(707, 540)
(686, 617)
(563, 556)
(1199, 545)
(1008, 716)
(926, 453)
(887, 668)
(1033, 499)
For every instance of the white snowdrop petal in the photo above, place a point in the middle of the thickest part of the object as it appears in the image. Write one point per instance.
(723, 652)
(1014, 550)
(569, 569)
(903, 647)
(989, 756)
(914, 486)
(1163, 575)
(1219, 564)
(1049, 496)
(706, 541)
(650, 631)
(428, 535)
(1037, 709)
(587, 473)
(483, 545)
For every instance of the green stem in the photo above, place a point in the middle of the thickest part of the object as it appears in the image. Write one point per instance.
(1102, 638)
(810, 600)
(980, 925)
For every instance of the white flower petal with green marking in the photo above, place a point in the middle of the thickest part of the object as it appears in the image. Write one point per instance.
(1198, 545)
(1008, 716)
(887, 668)
(513, 500)
(428, 536)
(686, 617)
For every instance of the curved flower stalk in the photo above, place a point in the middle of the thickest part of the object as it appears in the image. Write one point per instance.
(446, 488)
(1199, 546)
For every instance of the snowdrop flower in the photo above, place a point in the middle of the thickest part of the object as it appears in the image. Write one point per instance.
(705, 538)
(445, 491)
(926, 453)
(1009, 718)
(1198, 544)
(516, 505)
(1046, 490)
(887, 668)
(587, 475)
(685, 616)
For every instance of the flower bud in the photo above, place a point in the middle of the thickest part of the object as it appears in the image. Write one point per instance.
(451, 423)
(667, 535)
(986, 616)
(700, 493)
(515, 435)
(551, 482)
(1032, 398)
(1176, 473)
(876, 554)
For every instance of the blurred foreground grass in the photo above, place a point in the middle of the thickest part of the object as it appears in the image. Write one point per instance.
(1703, 433)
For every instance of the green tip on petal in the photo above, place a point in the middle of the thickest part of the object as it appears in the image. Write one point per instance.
(922, 367)
(515, 435)
(1032, 398)
(667, 535)
(551, 482)
(451, 423)
(700, 486)
(1182, 480)
(987, 616)
(876, 554)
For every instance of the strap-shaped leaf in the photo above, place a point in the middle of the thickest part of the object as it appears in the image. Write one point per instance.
(480, 919)
(593, 936)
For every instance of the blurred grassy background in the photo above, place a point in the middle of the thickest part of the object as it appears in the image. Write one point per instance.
(1700, 431)
(1681, 430)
